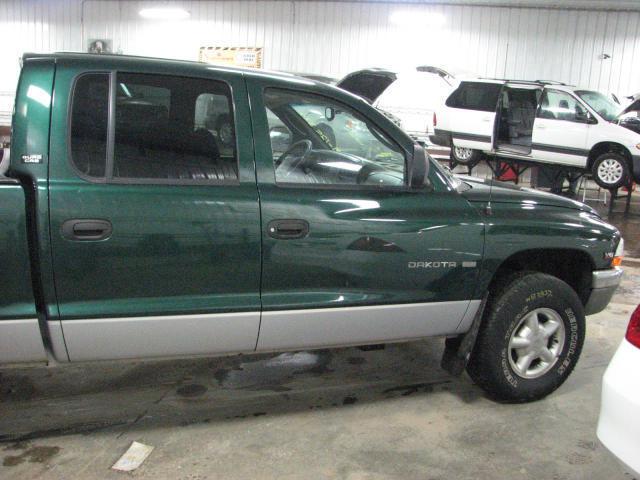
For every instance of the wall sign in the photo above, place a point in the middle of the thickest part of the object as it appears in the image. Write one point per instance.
(236, 56)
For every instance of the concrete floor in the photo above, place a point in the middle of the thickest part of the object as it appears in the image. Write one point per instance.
(344, 414)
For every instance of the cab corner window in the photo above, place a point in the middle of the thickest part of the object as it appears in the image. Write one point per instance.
(315, 140)
(173, 130)
(89, 119)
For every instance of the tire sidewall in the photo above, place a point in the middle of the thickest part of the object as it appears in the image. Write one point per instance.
(464, 161)
(574, 335)
(624, 179)
(489, 364)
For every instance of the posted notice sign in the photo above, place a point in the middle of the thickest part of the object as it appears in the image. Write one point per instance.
(236, 56)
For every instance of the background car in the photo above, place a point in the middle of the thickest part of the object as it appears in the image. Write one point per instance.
(619, 423)
(409, 96)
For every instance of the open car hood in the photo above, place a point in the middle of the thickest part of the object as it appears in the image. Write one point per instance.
(368, 84)
(632, 107)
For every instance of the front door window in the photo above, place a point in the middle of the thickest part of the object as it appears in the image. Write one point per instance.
(315, 140)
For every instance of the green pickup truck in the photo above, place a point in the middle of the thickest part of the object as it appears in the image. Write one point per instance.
(155, 208)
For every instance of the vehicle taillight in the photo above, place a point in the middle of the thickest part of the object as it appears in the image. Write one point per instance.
(435, 119)
(633, 330)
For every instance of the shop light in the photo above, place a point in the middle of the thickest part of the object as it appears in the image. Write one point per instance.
(408, 18)
(164, 13)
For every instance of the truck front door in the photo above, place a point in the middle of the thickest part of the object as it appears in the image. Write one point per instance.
(154, 214)
(350, 254)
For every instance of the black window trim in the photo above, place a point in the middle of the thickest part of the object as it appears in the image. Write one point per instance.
(472, 82)
(342, 187)
(108, 177)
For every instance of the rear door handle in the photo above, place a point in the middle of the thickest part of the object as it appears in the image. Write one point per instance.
(86, 229)
(288, 229)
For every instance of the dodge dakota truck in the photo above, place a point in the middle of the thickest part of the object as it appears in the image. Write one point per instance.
(156, 208)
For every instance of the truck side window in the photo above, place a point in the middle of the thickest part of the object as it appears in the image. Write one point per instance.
(89, 119)
(316, 140)
(173, 129)
(557, 105)
(475, 96)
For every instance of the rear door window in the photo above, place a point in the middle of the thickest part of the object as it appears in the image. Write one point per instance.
(173, 129)
(475, 96)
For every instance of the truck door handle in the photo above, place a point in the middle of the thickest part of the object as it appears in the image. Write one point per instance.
(288, 229)
(86, 229)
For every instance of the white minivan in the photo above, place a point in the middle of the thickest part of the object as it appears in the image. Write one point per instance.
(539, 121)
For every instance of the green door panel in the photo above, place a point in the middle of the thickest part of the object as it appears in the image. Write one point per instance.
(174, 249)
(364, 245)
(367, 247)
(16, 297)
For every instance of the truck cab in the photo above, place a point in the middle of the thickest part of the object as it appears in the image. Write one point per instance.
(157, 208)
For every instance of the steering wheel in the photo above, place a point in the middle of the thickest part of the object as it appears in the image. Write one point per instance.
(300, 143)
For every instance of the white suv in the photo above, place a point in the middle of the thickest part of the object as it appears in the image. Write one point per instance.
(539, 121)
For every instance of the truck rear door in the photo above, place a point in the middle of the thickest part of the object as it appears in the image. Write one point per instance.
(154, 212)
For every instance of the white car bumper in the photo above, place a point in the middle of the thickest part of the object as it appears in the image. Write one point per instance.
(619, 423)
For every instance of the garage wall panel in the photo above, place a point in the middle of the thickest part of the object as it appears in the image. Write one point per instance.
(337, 37)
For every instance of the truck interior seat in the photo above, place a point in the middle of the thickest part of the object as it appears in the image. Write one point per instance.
(150, 145)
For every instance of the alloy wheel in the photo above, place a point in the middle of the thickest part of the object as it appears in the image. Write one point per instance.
(536, 343)
(610, 171)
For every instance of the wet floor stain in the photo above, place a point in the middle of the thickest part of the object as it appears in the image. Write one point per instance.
(406, 390)
(273, 373)
(356, 360)
(191, 390)
(32, 455)
(16, 388)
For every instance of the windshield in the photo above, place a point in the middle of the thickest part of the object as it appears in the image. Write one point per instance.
(606, 107)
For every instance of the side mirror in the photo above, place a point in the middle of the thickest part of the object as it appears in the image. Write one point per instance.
(418, 167)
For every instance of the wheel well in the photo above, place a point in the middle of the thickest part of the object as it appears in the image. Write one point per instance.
(571, 266)
(604, 147)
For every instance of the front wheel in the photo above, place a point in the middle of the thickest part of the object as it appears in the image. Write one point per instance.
(610, 170)
(530, 339)
(465, 156)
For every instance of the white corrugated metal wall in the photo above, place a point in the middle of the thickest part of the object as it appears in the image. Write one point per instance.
(336, 37)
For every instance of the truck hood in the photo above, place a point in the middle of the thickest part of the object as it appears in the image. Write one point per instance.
(502, 192)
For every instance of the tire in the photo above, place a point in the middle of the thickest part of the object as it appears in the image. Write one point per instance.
(610, 170)
(520, 300)
(465, 156)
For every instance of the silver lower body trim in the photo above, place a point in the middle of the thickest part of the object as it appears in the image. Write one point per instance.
(333, 327)
(606, 278)
(604, 284)
(165, 336)
(21, 341)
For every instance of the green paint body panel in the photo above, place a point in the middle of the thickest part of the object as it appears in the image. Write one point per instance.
(361, 240)
(175, 249)
(187, 249)
(16, 298)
